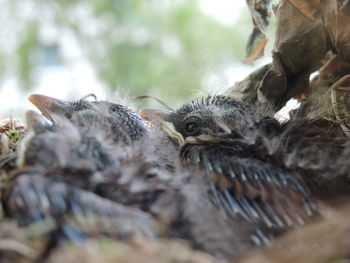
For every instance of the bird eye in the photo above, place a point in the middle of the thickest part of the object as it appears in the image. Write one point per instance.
(117, 108)
(191, 128)
(68, 115)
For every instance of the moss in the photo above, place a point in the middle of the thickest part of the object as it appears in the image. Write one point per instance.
(14, 136)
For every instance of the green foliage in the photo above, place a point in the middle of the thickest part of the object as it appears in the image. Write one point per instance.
(160, 48)
(14, 136)
(25, 50)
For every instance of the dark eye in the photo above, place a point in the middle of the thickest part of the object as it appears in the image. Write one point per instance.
(117, 108)
(191, 128)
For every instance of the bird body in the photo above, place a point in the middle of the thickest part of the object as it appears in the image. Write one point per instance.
(39, 196)
(64, 167)
(227, 144)
(235, 179)
(92, 152)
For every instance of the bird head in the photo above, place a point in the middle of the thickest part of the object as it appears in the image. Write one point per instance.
(212, 115)
(61, 146)
(46, 144)
(115, 119)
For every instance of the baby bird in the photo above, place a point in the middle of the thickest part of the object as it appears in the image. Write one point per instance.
(57, 185)
(225, 145)
(121, 154)
(89, 162)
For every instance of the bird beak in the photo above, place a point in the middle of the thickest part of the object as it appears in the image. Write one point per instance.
(48, 105)
(162, 117)
(36, 121)
(154, 114)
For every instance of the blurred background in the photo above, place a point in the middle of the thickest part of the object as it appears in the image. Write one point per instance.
(174, 50)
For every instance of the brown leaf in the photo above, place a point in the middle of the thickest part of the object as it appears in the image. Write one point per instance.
(305, 32)
(260, 12)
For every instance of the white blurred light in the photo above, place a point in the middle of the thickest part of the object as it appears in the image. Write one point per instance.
(314, 74)
(224, 11)
(283, 114)
(171, 46)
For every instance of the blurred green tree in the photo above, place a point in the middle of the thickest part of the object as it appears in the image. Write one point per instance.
(160, 48)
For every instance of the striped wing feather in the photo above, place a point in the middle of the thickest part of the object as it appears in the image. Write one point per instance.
(35, 198)
(242, 185)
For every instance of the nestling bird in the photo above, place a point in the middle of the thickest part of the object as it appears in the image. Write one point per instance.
(123, 166)
(225, 144)
(62, 166)
(90, 161)
(115, 126)
(256, 168)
